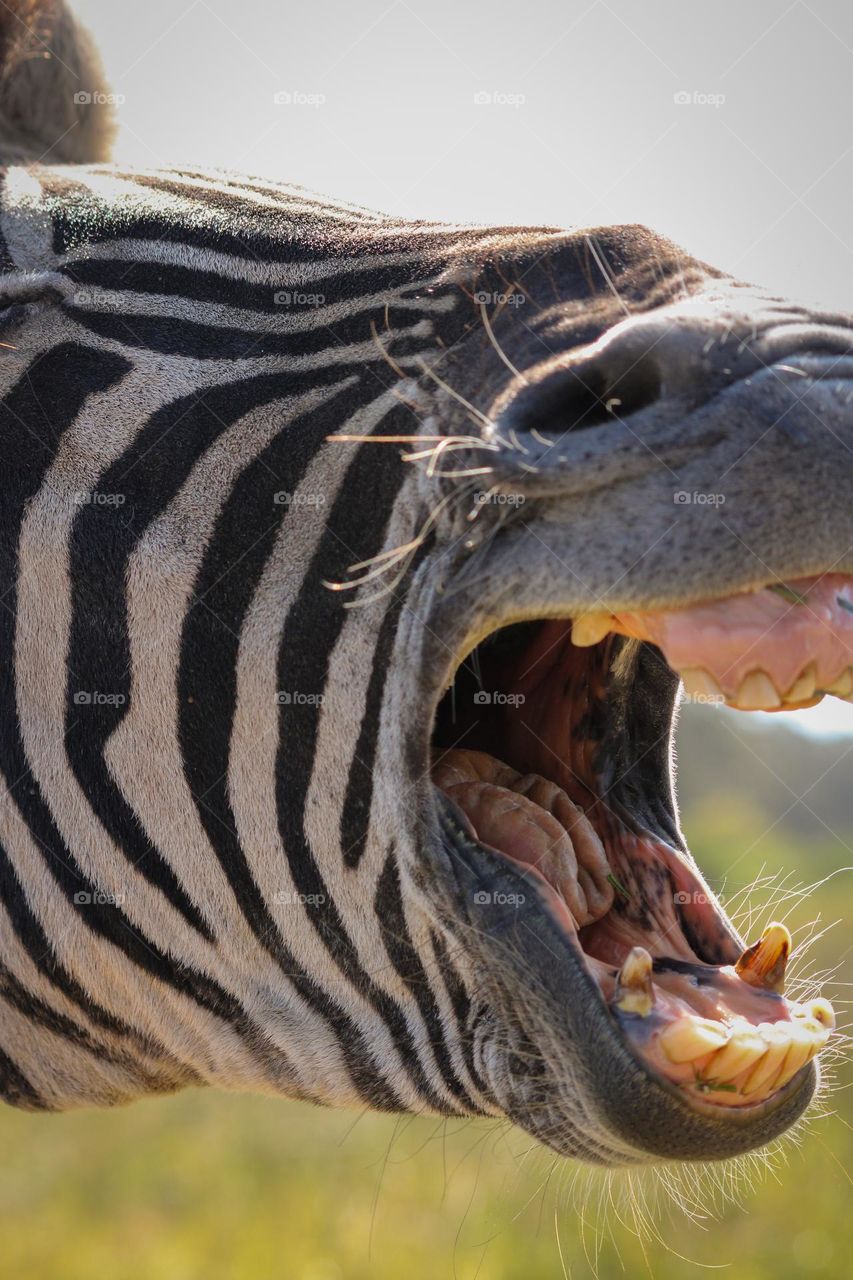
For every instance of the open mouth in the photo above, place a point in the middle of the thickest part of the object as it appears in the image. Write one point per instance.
(553, 745)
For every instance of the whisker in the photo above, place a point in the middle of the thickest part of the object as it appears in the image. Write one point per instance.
(450, 391)
(389, 359)
(487, 325)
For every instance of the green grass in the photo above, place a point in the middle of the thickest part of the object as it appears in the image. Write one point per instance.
(219, 1187)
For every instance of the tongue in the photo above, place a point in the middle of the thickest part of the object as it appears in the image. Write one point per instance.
(782, 646)
(533, 822)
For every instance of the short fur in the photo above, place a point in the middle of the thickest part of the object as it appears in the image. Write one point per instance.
(221, 858)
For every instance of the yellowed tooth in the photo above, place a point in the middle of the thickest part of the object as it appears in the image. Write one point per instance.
(818, 1034)
(804, 686)
(842, 686)
(700, 684)
(690, 1038)
(822, 1012)
(820, 1031)
(757, 692)
(763, 964)
(590, 628)
(744, 1049)
(634, 990)
(778, 1042)
(805, 1040)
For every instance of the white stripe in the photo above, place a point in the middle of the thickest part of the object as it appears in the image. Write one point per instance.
(99, 299)
(115, 982)
(99, 434)
(350, 669)
(278, 275)
(26, 224)
(255, 740)
(210, 370)
(144, 753)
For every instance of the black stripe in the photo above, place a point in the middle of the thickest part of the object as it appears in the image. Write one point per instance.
(30, 427)
(354, 531)
(355, 812)
(32, 1007)
(173, 335)
(245, 534)
(389, 911)
(281, 192)
(146, 476)
(461, 1005)
(34, 941)
(172, 279)
(16, 1089)
(81, 216)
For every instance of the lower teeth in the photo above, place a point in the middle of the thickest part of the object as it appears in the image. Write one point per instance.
(634, 989)
(734, 1057)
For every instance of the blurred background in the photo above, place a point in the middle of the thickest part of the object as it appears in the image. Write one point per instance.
(727, 128)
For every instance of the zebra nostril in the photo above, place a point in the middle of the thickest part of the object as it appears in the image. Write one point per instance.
(585, 395)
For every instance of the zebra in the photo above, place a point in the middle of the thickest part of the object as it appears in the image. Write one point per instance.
(311, 520)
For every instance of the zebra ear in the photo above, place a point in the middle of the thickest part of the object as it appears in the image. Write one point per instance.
(53, 101)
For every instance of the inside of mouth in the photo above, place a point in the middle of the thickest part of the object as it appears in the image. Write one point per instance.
(553, 744)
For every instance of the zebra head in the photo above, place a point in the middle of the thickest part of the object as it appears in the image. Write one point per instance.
(348, 571)
(613, 463)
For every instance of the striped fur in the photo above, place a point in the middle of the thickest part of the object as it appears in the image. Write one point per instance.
(194, 861)
(221, 858)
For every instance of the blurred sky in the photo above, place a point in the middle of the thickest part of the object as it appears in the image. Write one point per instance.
(566, 112)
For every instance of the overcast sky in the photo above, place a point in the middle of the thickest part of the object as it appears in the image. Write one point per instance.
(725, 126)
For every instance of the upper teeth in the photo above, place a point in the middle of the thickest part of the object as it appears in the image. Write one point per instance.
(804, 686)
(842, 686)
(757, 691)
(590, 628)
(698, 683)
